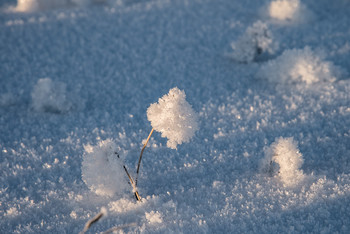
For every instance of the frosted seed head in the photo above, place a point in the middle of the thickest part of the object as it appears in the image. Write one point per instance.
(173, 117)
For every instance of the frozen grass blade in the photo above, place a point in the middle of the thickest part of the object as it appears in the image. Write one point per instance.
(143, 148)
(137, 196)
(91, 222)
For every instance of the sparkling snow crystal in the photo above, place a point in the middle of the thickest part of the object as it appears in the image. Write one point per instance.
(102, 169)
(256, 40)
(300, 66)
(283, 160)
(173, 117)
(292, 11)
(50, 96)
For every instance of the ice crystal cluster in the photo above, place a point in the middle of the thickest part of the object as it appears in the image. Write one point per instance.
(174, 117)
(302, 66)
(50, 96)
(283, 160)
(102, 169)
(256, 40)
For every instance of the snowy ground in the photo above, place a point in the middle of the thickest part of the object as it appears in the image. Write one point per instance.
(76, 74)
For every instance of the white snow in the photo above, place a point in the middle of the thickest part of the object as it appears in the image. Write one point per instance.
(256, 40)
(50, 96)
(174, 117)
(300, 66)
(283, 160)
(76, 82)
(102, 169)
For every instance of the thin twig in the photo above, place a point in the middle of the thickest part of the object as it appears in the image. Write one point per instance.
(138, 197)
(91, 222)
(113, 229)
(143, 148)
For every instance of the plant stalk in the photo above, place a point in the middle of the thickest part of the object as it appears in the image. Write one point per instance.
(136, 193)
(143, 148)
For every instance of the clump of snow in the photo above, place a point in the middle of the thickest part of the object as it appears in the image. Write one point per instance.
(289, 11)
(283, 160)
(102, 169)
(154, 217)
(174, 117)
(300, 66)
(50, 96)
(39, 5)
(256, 40)
(284, 9)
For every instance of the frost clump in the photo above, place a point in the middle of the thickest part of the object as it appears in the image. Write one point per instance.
(256, 40)
(102, 169)
(40, 5)
(299, 66)
(283, 160)
(288, 11)
(50, 96)
(173, 117)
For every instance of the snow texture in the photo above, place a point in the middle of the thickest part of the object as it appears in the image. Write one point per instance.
(50, 96)
(43, 5)
(256, 40)
(104, 64)
(102, 169)
(283, 160)
(300, 66)
(174, 117)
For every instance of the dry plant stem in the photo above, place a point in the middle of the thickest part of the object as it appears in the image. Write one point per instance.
(113, 229)
(137, 196)
(91, 221)
(143, 148)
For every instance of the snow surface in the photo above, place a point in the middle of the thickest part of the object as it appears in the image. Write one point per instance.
(115, 59)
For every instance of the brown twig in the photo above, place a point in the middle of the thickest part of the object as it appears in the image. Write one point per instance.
(143, 148)
(91, 222)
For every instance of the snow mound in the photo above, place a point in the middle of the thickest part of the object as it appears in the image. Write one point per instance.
(283, 160)
(300, 66)
(102, 169)
(50, 96)
(289, 11)
(256, 40)
(41, 5)
(174, 117)
(154, 217)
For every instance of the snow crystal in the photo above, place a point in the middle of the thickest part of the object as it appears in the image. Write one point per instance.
(153, 217)
(50, 96)
(284, 9)
(289, 11)
(256, 40)
(174, 117)
(283, 160)
(300, 66)
(102, 169)
(39, 5)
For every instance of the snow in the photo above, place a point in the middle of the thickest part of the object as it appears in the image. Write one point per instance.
(283, 159)
(49, 96)
(75, 85)
(256, 40)
(102, 169)
(174, 117)
(300, 66)
(284, 9)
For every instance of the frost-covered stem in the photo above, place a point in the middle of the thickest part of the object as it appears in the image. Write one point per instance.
(137, 196)
(91, 221)
(143, 148)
